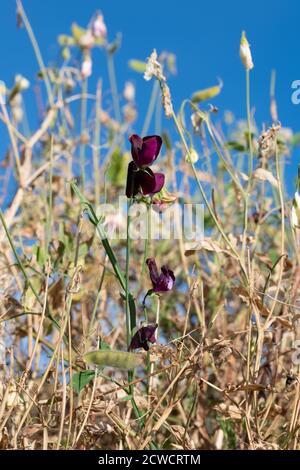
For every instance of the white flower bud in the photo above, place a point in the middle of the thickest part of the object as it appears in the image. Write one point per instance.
(99, 27)
(86, 67)
(193, 157)
(21, 82)
(129, 91)
(245, 52)
(295, 214)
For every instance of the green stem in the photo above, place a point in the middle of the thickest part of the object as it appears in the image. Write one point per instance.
(37, 51)
(130, 319)
(210, 209)
(18, 259)
(106, 245)
(83, 129)
(148, 237)
(96, 151)
(250, 166)
(113, 85)
(151, 107)
(249, 125)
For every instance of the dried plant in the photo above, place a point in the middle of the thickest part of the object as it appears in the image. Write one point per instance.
(99, 349)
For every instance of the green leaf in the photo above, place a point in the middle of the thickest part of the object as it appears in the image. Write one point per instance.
(137, 65)
(41, 255)
(116, 359)
(81, 379)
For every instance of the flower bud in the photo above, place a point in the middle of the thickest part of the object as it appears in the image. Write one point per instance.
(245, 52)
(129, 91)
(86, 67)
(193, 157)
(99, 27)
(21, 82)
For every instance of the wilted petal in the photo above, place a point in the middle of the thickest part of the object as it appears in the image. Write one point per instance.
(163, 282)
(153, 271)
(142, 336)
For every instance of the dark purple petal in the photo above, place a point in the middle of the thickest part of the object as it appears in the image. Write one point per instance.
(159, 182)
(147, 181)
(163, 282)
(132, 184)
(150, 149)
(153, 271)
(168, 272)
(142, 336)
(136, 146)
(150, 183)
(145, 151)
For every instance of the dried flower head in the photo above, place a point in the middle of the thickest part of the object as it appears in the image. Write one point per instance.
(295, 214)
(245, 52)
(154, 68)
(196, 122)
(163, 200)
(167, 101)
(267, 142)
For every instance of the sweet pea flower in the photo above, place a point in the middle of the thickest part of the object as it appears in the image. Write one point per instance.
(144, 335)
(140, 178)
(163, 282)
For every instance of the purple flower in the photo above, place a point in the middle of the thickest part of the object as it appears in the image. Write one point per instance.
(145, 150)
(140, 178)
(141, 338)
(161, 282)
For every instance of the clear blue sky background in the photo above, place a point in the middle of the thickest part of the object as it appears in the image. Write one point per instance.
(204, 35)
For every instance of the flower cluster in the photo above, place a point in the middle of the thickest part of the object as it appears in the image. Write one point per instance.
(142, 180)
(162, 282)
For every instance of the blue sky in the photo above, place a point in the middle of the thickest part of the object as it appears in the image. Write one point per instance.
(204, 35)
